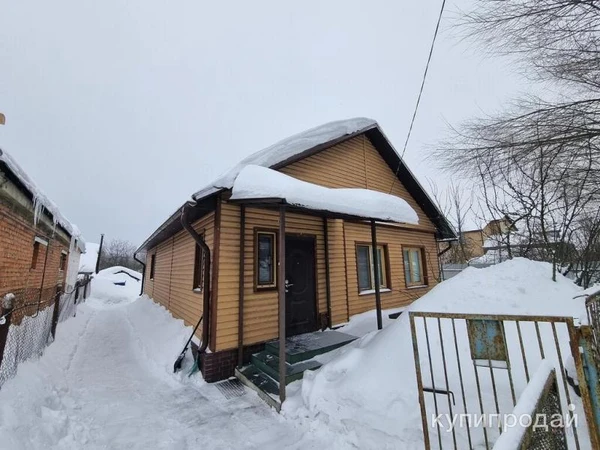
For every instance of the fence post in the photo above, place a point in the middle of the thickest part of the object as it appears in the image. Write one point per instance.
(6, 310)
(56, 310)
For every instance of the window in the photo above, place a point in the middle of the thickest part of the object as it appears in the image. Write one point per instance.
(152, 264)
(63, 261)
(264, 269)
(413, 267)
(37, 243)
(36, 254)
(365, 266)
(199, 262)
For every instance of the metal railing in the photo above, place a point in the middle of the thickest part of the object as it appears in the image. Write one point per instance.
(488, 361)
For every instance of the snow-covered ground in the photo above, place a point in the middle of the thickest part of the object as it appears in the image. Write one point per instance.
(107, 383)
(368, 390)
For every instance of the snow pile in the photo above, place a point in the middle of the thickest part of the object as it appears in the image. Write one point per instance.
(87, 262)
(255, 182)
(39, 199)
(288, 148)
(103, 285)
(369, 391)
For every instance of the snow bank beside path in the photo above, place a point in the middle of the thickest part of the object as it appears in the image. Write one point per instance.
(369, 390)
(104, 287)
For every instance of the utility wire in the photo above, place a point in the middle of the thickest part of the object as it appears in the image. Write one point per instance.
(414, 116)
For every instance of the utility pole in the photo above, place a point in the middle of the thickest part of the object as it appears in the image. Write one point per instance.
(99, 253)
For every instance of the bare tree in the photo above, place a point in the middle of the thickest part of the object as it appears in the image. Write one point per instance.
(538, 162)
(456, 203)
(119, 252)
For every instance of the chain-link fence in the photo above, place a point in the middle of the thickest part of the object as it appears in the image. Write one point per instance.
(28, 321)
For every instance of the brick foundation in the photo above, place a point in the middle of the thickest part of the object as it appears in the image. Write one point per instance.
(221, 365)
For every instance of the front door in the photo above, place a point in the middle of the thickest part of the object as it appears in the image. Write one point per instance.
(300, 297)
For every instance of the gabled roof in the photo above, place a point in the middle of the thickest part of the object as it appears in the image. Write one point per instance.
(307, 143)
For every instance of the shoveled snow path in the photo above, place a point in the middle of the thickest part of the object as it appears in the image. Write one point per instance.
(111, 397)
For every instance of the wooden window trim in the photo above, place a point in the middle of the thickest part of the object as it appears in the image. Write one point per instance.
(386, 286)
(264, 287)
(422, 266)
(152, 265)
(198, 277)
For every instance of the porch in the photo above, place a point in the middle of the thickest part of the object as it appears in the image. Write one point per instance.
(262, 374)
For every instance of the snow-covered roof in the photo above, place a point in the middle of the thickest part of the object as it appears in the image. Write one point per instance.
(288, 148)
(39, 199)
(255, 182)
(87, 262)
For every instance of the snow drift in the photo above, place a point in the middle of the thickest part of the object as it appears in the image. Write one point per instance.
(370, 388)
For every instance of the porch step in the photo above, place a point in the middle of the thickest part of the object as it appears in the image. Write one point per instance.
(265, 387)
(307, 346)
(269, 364)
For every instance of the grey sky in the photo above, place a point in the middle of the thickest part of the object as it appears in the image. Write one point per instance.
(121, 110)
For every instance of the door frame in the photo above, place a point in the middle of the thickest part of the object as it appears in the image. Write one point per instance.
(316, 271)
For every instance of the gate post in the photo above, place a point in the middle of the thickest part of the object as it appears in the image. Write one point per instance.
(6, 312)
(589, 383)
(55, 311)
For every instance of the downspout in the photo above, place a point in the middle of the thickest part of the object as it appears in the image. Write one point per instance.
(143, 271)
(440, 253)
(206, 288)
(327, 273)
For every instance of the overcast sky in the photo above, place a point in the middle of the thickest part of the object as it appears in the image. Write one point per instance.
(120, 110)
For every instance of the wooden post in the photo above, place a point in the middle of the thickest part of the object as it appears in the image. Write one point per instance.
(281, 290)
(241, 286)
(55, 311)
(6, 312)
(376, 274)
(327, 274)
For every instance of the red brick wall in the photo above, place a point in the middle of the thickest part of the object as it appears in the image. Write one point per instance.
(17, 235)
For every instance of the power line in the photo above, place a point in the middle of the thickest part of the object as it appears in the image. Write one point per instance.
(414, 116)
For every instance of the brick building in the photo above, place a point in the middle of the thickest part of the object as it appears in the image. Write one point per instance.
(37, 244)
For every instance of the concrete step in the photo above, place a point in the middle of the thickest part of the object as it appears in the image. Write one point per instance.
(269, 364)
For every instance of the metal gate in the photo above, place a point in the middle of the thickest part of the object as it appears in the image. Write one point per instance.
(487, 379)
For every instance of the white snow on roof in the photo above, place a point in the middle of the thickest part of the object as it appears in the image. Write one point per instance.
(255, 182)
(39, 199)
(288, 148)
(87, 262)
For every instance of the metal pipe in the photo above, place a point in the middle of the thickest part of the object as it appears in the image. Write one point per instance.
(143, 271)
(43, 277)
(281, 291)
(376, 274)
(99, 253)
(206, 288)
(241, 286)
(327, 274)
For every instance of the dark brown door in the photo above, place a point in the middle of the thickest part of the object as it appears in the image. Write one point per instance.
(300, 297)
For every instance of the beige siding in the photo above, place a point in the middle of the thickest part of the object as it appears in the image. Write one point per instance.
(260, 308)
(354, 163)
(174, 272)
(337, 272)
(394, 238)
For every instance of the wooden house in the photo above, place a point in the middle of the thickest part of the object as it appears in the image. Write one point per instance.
(266, 259)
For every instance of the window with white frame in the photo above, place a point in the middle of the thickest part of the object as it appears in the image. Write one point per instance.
(414, 273)
(366, 268)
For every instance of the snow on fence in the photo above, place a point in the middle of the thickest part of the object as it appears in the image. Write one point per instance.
(28, 322)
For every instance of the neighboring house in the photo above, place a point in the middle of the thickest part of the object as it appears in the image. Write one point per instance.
(39, 249)
(475, 243)
(327, 271)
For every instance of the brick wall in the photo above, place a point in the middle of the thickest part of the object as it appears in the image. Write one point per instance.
(17, 236)
(221, 365)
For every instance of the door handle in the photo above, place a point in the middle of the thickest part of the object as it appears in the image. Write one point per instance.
(288, 285)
